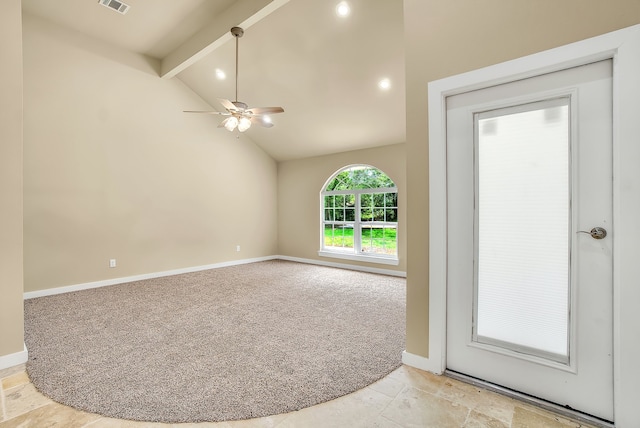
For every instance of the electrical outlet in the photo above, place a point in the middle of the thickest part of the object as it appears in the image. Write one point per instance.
(112, 263)
(237, 247)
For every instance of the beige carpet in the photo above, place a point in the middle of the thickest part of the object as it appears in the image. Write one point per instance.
(225, 344)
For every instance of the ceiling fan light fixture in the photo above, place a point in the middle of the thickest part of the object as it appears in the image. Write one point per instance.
(230, 123)
(239, 115)
(244, 124)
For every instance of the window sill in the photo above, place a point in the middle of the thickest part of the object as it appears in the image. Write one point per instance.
(360, 258)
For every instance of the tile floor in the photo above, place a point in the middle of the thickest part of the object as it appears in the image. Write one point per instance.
(405, 398)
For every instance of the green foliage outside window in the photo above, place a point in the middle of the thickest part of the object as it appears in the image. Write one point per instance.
(374, 240)
(373, 228)
(360, 178)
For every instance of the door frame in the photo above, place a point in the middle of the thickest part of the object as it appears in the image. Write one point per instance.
(622, 47)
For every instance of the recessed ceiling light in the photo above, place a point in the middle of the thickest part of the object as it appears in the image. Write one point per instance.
(384, 84)
(220, 74)
(266, 119)
(343, 9)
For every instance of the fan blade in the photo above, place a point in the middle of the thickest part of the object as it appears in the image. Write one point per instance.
(265, 110)
(227, 104)
(206, 112)
(260, 121)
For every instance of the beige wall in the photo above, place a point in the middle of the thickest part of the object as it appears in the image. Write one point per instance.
(299, 186)
(444, 38)
(114, 169)
(11, 323)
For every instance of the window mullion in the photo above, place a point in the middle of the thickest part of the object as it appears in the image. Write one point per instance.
(357, 240)
(342, 218)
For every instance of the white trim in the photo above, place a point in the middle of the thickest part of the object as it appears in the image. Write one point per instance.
(360, 257)
(114, 281)
(357, 222)
(623, 47)
(345, 266)
(122, 280)
(421, 362)
(14, 359)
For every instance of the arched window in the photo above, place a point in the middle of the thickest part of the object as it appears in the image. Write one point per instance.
(359, 212)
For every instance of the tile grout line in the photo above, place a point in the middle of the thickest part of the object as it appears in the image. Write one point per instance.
(28, 411)
(466, 419)
(3, 399)
(380, 414)
(282, 421)
(92, 422)
(439, 394)
(392, 421)
(3, 408)
(393, 397)
(474, 407)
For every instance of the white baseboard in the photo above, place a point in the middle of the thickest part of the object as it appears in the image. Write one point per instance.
(345, 266)
(14, 359)
(422, 363)
(114, 281)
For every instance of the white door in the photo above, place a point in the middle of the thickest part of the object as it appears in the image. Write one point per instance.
(529, 297)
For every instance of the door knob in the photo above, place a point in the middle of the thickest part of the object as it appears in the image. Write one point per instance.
(596, 232)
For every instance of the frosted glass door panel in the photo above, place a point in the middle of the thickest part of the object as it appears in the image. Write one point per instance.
(522, 217)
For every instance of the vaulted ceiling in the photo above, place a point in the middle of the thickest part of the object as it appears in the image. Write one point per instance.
(323, 69)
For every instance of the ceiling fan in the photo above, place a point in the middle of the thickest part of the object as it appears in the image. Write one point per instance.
(239, 115)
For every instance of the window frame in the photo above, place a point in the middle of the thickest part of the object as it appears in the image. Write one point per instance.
(356, 253)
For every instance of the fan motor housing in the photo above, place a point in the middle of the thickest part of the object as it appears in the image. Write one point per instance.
(240, 105)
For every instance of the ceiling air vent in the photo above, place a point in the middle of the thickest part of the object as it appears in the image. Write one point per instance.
(116, 5)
